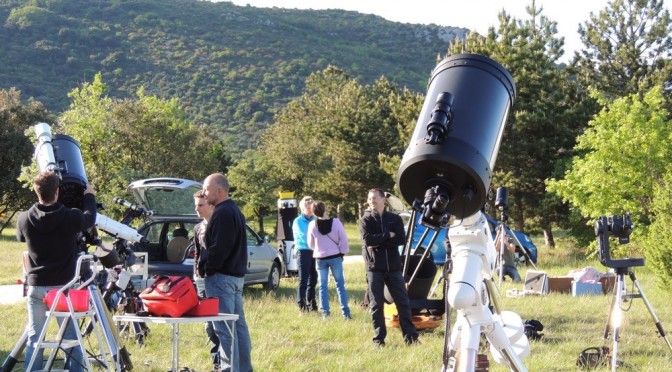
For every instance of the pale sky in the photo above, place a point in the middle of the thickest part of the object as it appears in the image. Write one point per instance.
(476, 15)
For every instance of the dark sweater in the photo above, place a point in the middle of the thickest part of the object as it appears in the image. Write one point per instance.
(380, 251)
(51, 232)
(226, 237)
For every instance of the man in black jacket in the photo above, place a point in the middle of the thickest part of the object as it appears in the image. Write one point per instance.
(382, 234)
(50, 231)
(225, 269)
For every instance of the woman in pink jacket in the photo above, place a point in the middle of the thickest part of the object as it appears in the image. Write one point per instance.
(327, 239)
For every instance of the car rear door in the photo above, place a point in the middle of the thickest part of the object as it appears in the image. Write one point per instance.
(258, 259)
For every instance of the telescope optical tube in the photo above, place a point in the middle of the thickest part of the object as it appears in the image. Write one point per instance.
(458, 133)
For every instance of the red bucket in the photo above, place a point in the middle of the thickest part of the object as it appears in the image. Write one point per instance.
(79, 298)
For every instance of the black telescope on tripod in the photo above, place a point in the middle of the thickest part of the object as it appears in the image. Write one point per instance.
(621, 227)
(447, 167)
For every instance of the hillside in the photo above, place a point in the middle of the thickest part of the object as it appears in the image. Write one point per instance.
(230, 66)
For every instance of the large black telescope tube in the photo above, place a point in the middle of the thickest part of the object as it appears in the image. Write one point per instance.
(62, 154)
(457, 136)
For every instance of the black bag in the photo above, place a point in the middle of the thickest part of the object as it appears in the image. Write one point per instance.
(532, 329)
(593, 357)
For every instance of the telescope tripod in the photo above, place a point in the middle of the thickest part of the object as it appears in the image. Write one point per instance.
(616, 312)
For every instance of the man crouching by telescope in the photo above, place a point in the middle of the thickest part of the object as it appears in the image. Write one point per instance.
(51, 230)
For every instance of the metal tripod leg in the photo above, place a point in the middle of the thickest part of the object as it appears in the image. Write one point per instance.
(615, 314)
(12, 358)
(659, 326)
(614, 319)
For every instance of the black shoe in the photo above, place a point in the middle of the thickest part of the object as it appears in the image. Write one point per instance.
(412, 341)
(378, 344)
(347, 317)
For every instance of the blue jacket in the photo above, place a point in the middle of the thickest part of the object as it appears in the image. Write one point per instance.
(300, 230)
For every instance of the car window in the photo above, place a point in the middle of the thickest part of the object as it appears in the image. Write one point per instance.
(153, 233)
(184, 229)
(251, 237)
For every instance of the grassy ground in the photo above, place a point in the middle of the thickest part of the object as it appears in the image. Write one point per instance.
(283, 340)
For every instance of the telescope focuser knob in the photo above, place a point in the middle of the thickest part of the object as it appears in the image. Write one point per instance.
(442, 115)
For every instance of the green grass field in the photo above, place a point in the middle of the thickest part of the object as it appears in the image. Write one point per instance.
(285, 341)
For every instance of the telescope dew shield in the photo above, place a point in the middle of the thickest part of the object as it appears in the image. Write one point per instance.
(73, 176)
(458, 133)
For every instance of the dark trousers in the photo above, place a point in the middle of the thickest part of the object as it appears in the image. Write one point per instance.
(397, 289)
(307, 280)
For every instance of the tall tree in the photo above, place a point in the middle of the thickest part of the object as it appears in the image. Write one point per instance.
(545, 117)
(327, 142)
(17, 150)
(624, 165)
(623, 155)
(253, 186)
(627, 48)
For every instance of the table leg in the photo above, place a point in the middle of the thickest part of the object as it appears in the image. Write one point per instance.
(176, 347)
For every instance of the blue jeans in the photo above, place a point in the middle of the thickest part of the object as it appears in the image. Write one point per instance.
(512, 272)
(336, 266)
(305, 296)
(37, 317)
(397, 288)
(229, 290)
(209, 327)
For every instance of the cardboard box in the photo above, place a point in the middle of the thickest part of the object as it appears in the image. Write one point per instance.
(608, 282)
(586, 289)
(560, 284)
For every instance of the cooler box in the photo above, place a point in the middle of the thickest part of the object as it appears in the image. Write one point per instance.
(586, 289)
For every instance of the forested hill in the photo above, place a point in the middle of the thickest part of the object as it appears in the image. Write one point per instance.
(228, 65)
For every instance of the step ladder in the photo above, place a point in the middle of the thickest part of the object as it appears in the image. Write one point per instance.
(79, 316)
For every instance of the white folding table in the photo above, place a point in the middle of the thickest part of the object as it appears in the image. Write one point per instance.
(228, 319)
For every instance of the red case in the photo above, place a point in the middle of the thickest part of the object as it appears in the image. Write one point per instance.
(79, 298)
(206, 307)
(170, 296)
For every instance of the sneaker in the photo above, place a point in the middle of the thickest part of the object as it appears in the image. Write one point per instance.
(325, 315)
(378, 344)
(347, 317)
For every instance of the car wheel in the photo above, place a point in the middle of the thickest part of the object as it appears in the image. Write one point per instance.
(273, 278)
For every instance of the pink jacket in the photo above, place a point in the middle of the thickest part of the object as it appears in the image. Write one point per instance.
(334, 243)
